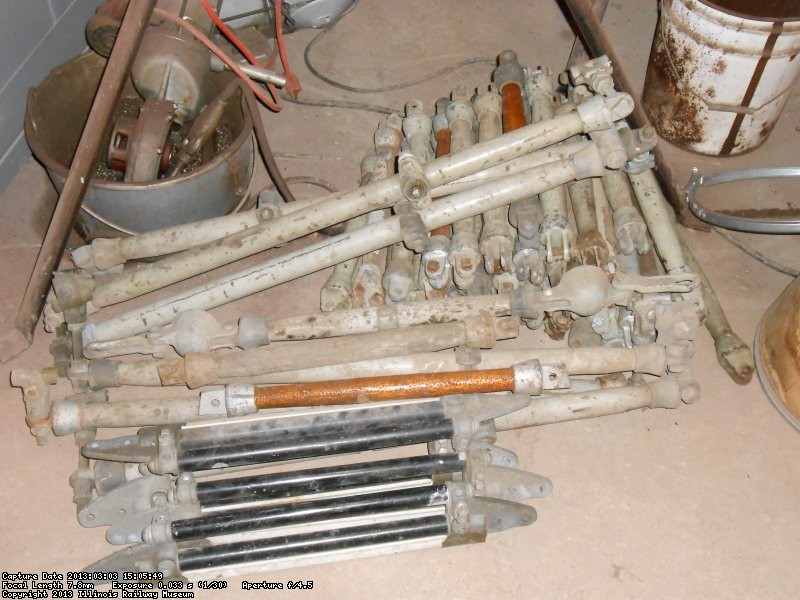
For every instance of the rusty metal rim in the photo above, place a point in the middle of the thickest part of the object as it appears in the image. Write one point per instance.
(741, 15)
(693, 34)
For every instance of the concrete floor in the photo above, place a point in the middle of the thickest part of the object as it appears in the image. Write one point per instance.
(700, 502)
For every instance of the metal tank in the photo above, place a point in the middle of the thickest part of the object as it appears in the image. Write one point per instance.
(56, 112)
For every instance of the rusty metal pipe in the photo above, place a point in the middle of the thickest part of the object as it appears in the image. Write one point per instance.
(662, 393)
(513, 107)
(579, 54)
(443, 137)
(598, 43)
(375, 389)
(509, 78)
(92, 142)
(442, 143)
(649, 358)
(199, 369)
(436, 274)
(733, 354)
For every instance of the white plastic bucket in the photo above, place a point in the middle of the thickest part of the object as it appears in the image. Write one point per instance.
(717, 81)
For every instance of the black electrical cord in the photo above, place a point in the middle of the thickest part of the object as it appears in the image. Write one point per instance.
(384, 110)
(386, 88)
(753, 253)
(263, 144)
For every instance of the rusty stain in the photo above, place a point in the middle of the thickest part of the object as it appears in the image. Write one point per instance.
(557, 324)
(674, 113)
(734, 141)
(513, 108)
(764, 213)
(767, 10)
(171, 372)
(443, 137)
(377, 299)
(592, 248)
(393, 387)
(436, 319)
(719, 66)
(432, 294)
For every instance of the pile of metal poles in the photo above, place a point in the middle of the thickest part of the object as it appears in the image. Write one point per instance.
(530, 202)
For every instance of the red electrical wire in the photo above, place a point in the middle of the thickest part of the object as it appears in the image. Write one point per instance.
(226, 31)
(292, 86)
(231, 37)
(201, 37)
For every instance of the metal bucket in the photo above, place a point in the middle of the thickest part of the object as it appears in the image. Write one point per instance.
(56, 112)
(720, 72)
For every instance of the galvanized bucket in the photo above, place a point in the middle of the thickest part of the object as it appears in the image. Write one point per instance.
(720, 72)
(57, 109)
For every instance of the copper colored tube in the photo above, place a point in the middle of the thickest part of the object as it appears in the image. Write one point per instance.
(392, 387)
(93, 139)
(442, 142)
(442, 149)
(513, 108)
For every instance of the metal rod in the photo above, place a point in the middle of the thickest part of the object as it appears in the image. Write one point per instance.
(312, 543)
(375, 389)
(417, 432)
(662, 393)
(304, 513)
(579, 55)
(659, 219)
(314, 423)
(93, 139)
(733, 354)
(252, 71)
(197, 370)
(219, 492)
(310, 422)
(649, 358)
(366, 320)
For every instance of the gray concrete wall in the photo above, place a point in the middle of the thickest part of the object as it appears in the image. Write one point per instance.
(35, 36)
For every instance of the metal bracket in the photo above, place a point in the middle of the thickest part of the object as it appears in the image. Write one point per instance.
(677, 283)
(128, 509)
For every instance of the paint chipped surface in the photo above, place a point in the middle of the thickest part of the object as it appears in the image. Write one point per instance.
(676, 114)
